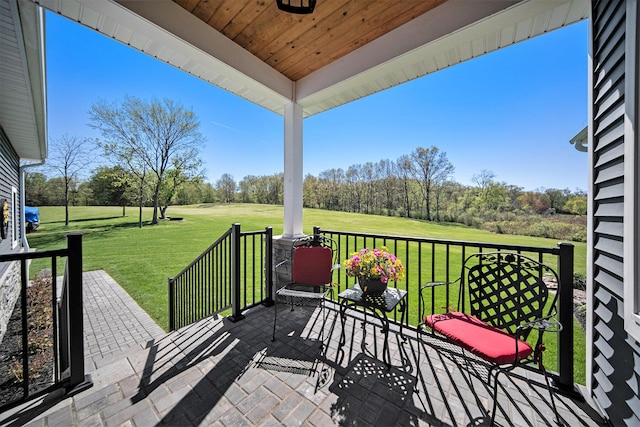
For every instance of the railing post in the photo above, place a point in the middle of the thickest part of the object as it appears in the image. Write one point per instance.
(172, 305)
(236, 314)
(565, 381)
(268, 301)
(77, 379)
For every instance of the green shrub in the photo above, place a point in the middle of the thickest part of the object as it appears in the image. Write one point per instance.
(579, 281)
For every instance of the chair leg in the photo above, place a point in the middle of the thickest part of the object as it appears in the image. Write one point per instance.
(494, 409)
(495, 393)
(324, 318)
(490, 374)
(275, 317)
(546, 379)
(324, 322)
(467, 364)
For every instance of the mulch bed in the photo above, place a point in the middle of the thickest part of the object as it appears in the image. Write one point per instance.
(41, 362)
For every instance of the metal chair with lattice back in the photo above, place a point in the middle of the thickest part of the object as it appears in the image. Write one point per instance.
(312, 261)
(503, 297)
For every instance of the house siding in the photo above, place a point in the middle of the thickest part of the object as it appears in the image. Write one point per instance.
(615, 375)
(9, 180)
(9, 272)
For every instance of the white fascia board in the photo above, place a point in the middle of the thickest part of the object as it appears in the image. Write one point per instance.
(580, 141)
(450, 34)
(28, 128)
(443, 20)
(166, 31)
(36, 55)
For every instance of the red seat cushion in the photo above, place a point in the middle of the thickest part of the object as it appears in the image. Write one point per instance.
(312, 265)
(481, 339)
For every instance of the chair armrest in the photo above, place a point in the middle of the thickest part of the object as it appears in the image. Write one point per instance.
(278, 265)
(422, 307)
(544, 324)
(434, 284)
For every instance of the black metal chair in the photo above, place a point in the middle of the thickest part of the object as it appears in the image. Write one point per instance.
(313, 259)
(502, 298)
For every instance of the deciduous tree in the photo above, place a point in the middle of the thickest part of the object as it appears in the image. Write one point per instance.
(111, 186)
(69, 157)
(430, 167)
(183, 170)
(226, 187)
(35, 189)
(148, 137)
(576, 205)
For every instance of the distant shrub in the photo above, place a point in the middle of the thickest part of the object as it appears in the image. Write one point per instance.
(561, 227)
(579, 281)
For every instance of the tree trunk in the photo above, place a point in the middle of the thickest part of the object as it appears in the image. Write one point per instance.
(428, 203)
(156, 204)
(163, 211)
(66, 205)
(140, 202)
(407, 208)
(123, 211)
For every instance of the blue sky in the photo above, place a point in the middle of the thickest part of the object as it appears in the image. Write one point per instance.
(511, 112)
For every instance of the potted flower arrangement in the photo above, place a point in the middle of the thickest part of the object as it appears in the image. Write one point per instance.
(373, 268)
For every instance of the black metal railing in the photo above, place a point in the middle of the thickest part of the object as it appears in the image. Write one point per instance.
(229, 275)
(429, 260)
(51, 318)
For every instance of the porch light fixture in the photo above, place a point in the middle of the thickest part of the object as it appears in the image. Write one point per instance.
(296, 6)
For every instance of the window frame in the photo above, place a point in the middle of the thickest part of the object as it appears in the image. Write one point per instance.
(14, 217)
(632, 177)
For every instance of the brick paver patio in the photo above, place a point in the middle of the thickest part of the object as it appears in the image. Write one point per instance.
(220, 373)
(113, 321)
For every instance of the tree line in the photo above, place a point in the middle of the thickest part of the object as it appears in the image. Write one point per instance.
(154, 153)
(394, 188)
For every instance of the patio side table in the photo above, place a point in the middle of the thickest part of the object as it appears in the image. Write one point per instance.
(388, 301)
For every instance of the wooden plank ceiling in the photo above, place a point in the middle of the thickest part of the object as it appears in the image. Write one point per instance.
(297, 45)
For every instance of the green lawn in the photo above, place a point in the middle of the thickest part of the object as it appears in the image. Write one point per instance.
(142, 259)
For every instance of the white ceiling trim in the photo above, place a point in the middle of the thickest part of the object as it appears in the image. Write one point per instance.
(512, 25)
(434, 41)
(164, 30)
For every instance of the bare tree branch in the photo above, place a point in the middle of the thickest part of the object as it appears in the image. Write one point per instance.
(69, 157)
(147, 137)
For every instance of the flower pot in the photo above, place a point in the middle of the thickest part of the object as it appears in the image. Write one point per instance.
(372, 288)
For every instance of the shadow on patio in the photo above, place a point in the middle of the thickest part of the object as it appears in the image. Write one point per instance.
(216, 372)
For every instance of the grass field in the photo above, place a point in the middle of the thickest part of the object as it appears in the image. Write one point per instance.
(142, 259)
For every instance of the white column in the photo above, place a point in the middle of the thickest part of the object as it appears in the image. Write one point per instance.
(293, 170)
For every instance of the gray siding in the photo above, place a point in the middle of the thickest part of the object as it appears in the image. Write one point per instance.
(9, 272)
(9, 178)
(616, 356)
